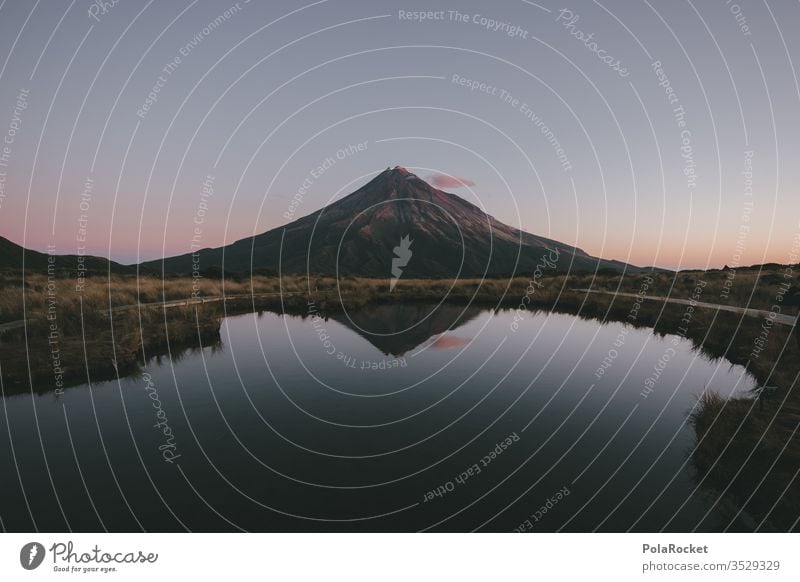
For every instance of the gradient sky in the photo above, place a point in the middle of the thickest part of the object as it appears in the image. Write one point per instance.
(257, 102)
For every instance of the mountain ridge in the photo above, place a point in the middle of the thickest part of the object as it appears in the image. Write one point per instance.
(12, 254)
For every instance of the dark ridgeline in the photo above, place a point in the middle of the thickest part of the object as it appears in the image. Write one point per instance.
(12, 254)
(364, 228)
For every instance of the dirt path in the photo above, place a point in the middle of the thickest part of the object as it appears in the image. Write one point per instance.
(197, 301)
(779, 317)
(4, 327)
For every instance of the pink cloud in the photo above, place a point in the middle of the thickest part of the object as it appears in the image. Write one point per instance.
(448, 342)
(445, 181)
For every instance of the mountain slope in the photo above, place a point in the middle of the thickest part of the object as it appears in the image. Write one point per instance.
(361, 234)
(11, 255)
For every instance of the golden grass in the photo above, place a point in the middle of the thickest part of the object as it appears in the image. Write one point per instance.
(748, 289)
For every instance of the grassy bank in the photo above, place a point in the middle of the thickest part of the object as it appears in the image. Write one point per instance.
(756, 289)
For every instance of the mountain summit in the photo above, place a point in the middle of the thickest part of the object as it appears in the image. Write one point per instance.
(359, 234)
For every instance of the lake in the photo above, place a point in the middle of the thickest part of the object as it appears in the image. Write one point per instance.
(390, 418)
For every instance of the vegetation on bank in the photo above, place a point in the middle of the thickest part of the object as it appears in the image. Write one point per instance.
(753, 288)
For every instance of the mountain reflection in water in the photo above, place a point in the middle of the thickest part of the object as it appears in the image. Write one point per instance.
(277, 432)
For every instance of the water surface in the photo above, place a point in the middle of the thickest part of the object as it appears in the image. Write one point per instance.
(395, 418)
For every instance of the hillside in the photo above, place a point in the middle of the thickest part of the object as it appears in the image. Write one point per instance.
(12, 254)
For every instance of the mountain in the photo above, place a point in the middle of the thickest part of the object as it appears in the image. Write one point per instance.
(11, 255)
(396, 222)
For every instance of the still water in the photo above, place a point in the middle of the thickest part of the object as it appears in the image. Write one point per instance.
(390, 418)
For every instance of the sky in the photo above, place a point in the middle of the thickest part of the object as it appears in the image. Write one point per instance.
(657, 133)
